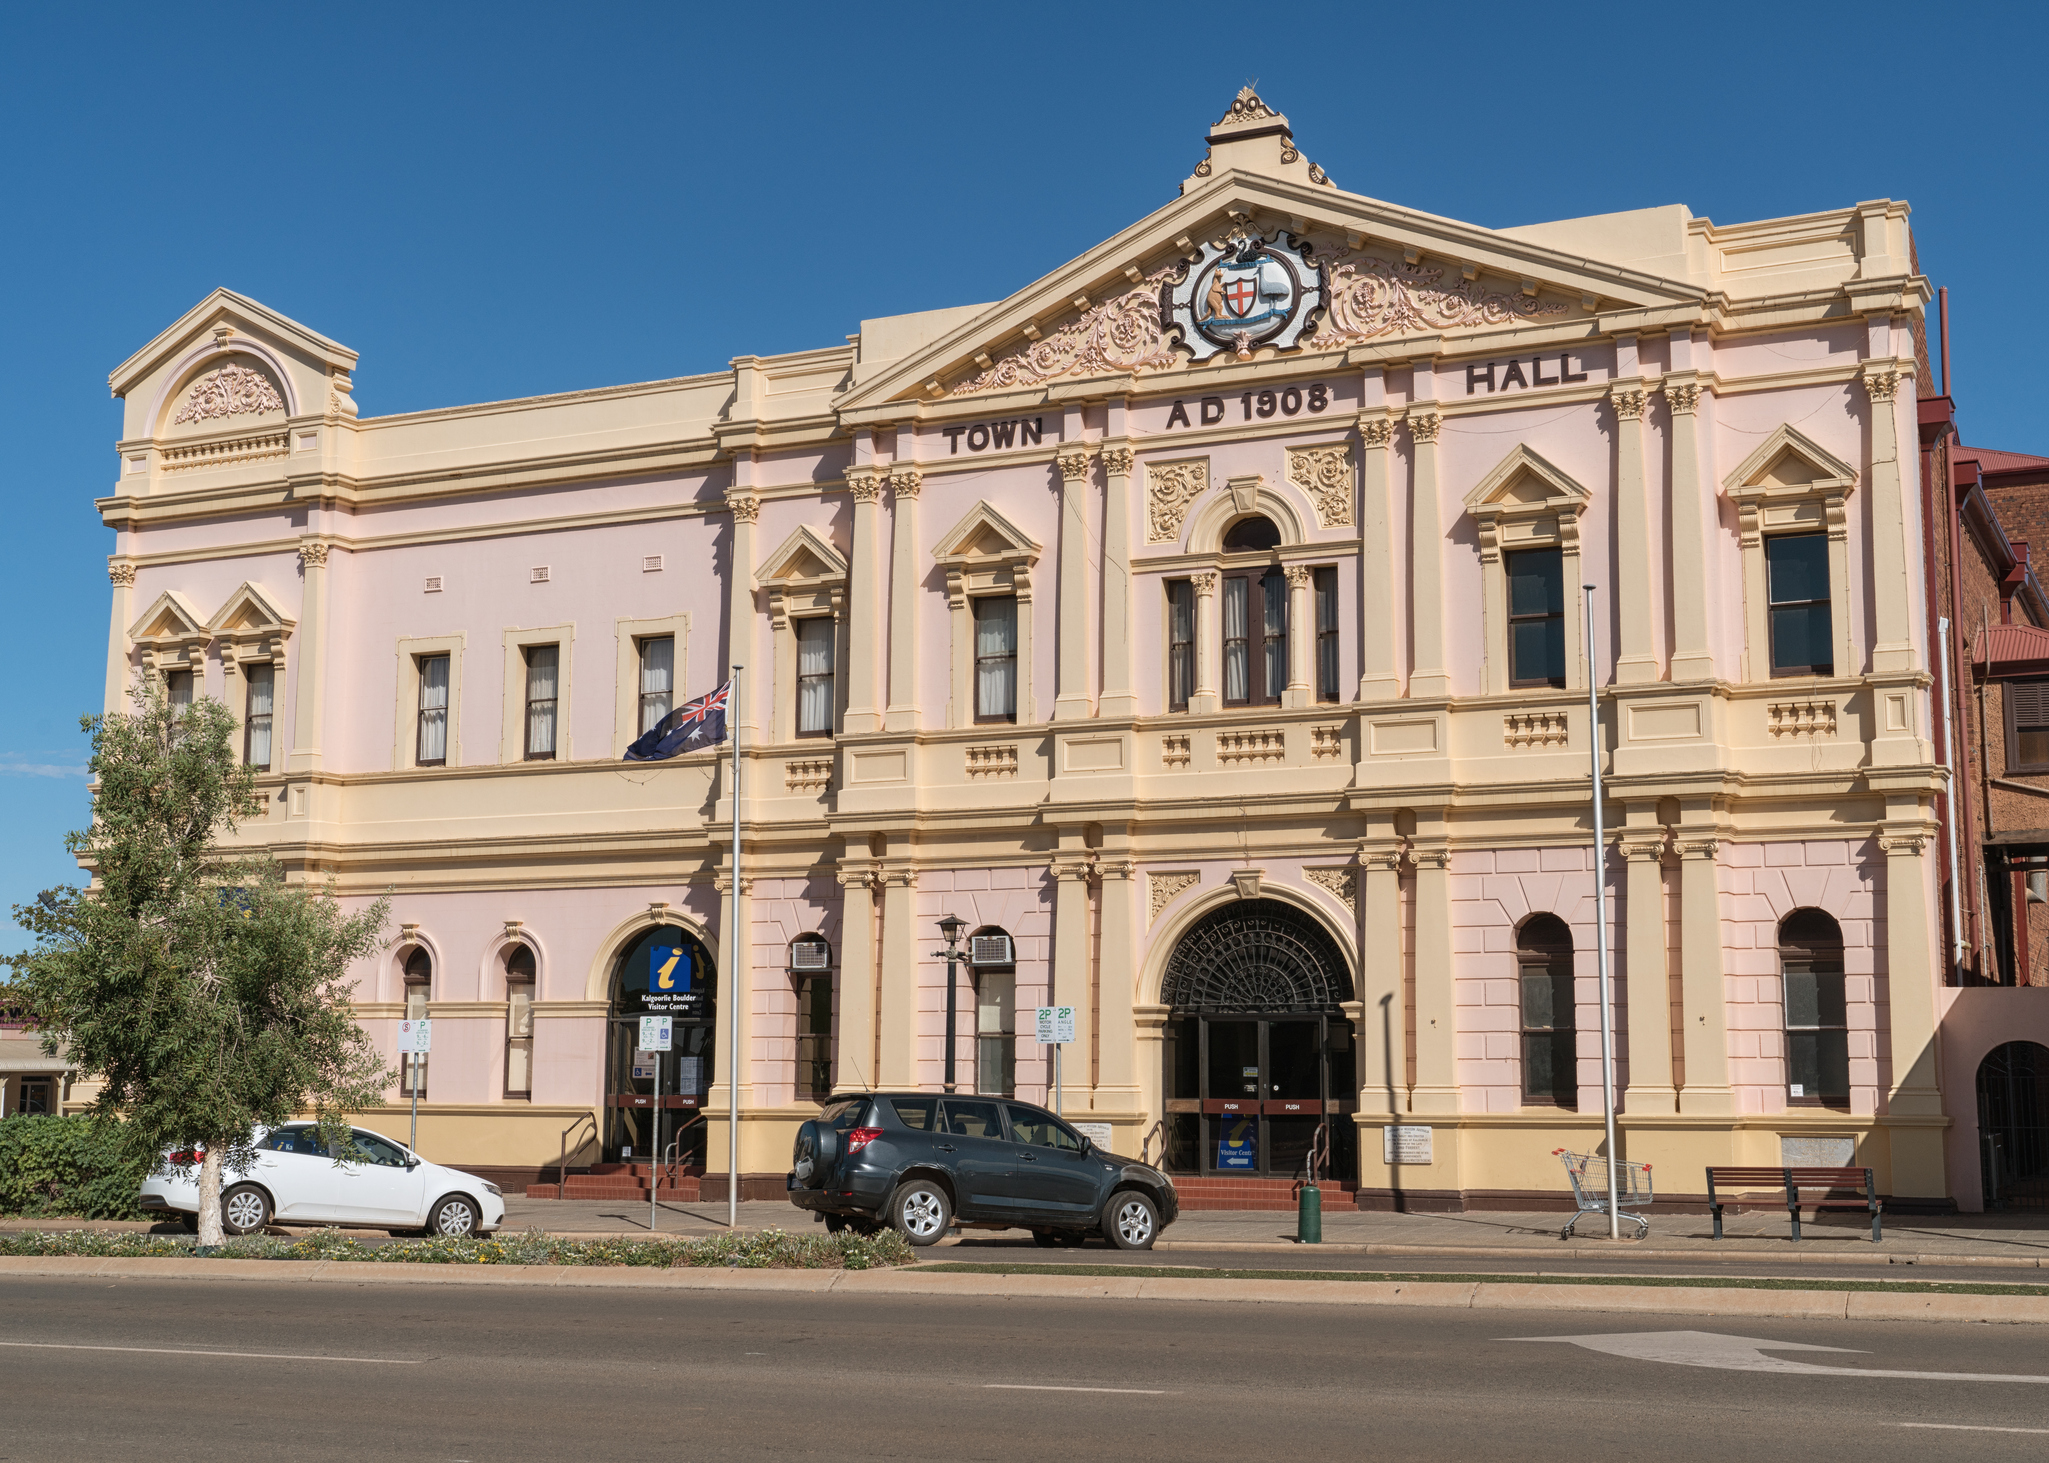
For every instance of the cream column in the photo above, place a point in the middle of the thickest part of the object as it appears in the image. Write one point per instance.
(1301, 637)
(854, 1051)
(1428, 677)
(1378, 680)
(1437, 1088)
(1648, 1040)
(904, 482)
(737, 983)
(740, 613)
(1117, 978)
(1892, 594)
(899, 976)
(120, 574)
(864, 610)
(1071, 701)
(1208, 644)
(1917, 1160)
(1120, 695)
(1071, 963)
(309, 702)
(1636, 601)
(1692, 660)
(1383, 1040)
(1703, 992)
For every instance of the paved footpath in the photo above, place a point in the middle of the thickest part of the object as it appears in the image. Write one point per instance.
(1839, 1240)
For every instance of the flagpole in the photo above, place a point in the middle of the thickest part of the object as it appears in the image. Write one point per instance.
(736, 988)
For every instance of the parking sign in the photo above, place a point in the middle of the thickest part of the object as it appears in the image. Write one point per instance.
(1054, 1024)
(415, 1038)
(654, 1033)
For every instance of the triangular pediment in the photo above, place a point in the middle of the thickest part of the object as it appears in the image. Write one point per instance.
(985, 534)
(239, 313)
(1524, 481)
(248, 611)
(170, 617)
(805, 556)
(1789, 463)
(1395, 275)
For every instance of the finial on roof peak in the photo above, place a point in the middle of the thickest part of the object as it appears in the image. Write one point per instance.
(1253, 138)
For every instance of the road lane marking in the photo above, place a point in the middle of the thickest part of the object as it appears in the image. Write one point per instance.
(1121, 1391)
(181, 1351)
(1746, 1354)
(1974, 1427)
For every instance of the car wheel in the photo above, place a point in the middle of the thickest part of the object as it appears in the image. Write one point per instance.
(1132, 1223)
(454, 1217)
(920, 1213)
(244, 1210)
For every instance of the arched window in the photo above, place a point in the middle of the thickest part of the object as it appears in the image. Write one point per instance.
(811, 974)
(1817, 1021)
(2013, 1126)
(1543, 956)
(519, 1022)
(992, 960)
(1253, 534)
(419, 978)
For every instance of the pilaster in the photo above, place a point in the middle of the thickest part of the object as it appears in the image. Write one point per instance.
(1892, 596)
(736, 953)
(899, 1004)
(1071, 701)
(1120, 694)
(1910, 964)
(745, 507)
(1301, 637)
(864, 592)
(1645, 978)
(1428, 677)
(309, 702)
(855, 1067)
(1209, 652)
(1070, 872)
(121, 575)
(1383, 1074)
(1117, 983)
(1692, 660)
(1437, 1087)
(1378, 628)
(1704, 992)
(904, 482)
(1637, 602)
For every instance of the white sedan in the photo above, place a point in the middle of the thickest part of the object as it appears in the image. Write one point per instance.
(296, 1180)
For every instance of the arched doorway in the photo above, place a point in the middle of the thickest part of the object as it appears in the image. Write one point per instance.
(665, 972)
(2013, 1126)
(1258, 1049)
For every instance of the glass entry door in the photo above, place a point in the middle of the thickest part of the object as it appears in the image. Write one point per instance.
(1245, 1093)
(645, 1118)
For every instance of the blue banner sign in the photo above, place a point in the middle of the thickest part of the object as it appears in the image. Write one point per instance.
(1237, 1141)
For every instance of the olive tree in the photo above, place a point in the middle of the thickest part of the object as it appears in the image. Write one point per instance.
(206, 994)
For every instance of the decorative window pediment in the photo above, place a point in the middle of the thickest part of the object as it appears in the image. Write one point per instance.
(985, 540)
(805, 559)
(170, 635)
(1792, 485)
(986, 554)
(250, 626)
(1526, 498)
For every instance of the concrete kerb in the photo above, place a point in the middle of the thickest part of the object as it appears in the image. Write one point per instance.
(1662, 1300)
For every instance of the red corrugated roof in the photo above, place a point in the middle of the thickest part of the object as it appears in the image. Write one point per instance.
(1991, 460)
(2014, 650)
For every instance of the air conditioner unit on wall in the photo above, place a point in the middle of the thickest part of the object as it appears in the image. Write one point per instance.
(990, 950)
(810, 955)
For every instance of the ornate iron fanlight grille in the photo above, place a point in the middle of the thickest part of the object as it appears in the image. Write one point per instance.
(1258, 955)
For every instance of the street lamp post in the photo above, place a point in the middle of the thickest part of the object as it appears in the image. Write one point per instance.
(950, 927)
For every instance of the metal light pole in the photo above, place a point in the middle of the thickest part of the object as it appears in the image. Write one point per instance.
(737, 987)
(950, 927)
(1601, 921)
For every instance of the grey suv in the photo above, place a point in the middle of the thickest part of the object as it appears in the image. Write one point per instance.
(921, 1163)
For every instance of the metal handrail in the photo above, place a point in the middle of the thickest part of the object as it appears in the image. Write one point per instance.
(673, 1152)
(562, 1163)
(1319, 1154)
(1145, 1144)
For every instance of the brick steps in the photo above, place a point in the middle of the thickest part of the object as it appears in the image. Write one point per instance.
(619, 1183)
(1273, 1196)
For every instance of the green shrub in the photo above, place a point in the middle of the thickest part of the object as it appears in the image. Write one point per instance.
(66, 1165)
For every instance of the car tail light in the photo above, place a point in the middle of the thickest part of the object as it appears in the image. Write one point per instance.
(859, 1138)
(188, 1156)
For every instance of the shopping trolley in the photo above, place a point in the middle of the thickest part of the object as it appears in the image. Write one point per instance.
(1589, 1174)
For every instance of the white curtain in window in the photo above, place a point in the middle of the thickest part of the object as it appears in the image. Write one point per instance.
(434, 708)
(1235, 664)
(657, 680)
(814, 675)
(262, 684)
(540, 700)
(178, 687)
(1276, 644)
(995, 657)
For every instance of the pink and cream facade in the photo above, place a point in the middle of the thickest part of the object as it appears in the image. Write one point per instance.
(1204, 618)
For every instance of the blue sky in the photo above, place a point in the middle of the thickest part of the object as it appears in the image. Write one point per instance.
(502, 200)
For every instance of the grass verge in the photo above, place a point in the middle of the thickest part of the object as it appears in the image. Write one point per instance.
(1701, 1282)
(768, 1250)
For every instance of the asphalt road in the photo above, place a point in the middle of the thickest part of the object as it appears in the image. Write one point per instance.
(463, 1375)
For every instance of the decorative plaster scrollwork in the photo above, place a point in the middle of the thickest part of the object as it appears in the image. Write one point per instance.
(1682, 398)
(1371, 297)
(1325, 474)
(1170, 489)
(1117, 461)
(231, 391)
(313, 556)
(1423, 425)
(1121, 334)
(1246, 107)
(121, 575)
(746, 507)
(1342, 883)
(1074, 466)
(1628, 402)
(1163, 888)
(905, 482)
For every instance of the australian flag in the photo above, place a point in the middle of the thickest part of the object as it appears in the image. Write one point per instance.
(691, 727)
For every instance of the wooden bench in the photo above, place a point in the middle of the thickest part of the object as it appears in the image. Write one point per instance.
(1823, 1183)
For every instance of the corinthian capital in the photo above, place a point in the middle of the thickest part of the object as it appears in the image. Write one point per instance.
(1423, 426)
(1117, 461)
(864, 484)
(1880, 382)
(1074, 466)
(1681, 397)
(745, 505)
(313, 556)
(905, 482)
(120, 573)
